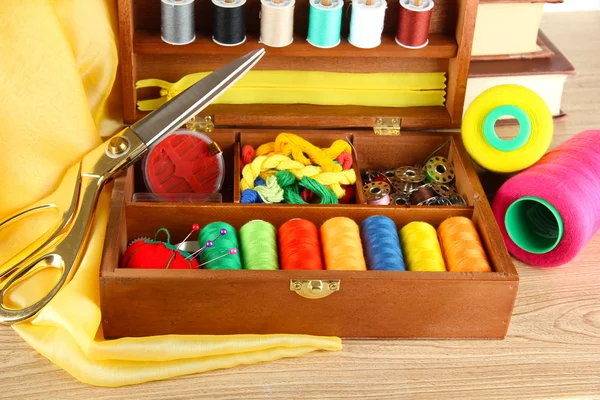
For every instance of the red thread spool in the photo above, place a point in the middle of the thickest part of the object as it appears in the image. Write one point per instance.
(184, 162)
(299, 245)
(413, 23)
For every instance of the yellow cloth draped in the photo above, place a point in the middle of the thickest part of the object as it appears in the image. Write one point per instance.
(57, 78)
(314, 87)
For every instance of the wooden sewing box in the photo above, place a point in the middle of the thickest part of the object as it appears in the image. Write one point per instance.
(350, 304)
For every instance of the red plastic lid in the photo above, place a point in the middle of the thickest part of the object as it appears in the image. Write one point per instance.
(184, 162)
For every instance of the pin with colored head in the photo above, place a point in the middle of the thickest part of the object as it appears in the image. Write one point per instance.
(232, 251)
(195, 228)
(208, 244)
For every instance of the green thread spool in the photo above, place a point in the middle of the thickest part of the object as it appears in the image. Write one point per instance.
(222, 244)
(259, 246)
(325, 23)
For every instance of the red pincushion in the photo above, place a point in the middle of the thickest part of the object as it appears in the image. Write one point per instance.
(155, 255)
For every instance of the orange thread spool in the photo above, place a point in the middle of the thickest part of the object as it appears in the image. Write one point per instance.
(342, 247)
(462, 246)
(299, 246)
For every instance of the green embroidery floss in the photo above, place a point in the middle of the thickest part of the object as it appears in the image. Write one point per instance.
(259, 246)
(221, 245)
(325, 23)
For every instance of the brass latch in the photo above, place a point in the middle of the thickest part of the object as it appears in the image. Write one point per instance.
(387, 126)
(314, 289)
(201, 123)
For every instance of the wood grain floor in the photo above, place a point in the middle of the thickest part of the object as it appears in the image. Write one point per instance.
(552, 350)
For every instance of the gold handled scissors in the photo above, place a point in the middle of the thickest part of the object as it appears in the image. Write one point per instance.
(77, 195)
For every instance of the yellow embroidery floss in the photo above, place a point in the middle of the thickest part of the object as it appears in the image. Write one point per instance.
(421, 248)
(305, 152)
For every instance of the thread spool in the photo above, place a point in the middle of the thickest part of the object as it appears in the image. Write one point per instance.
(259, 246)
(381, 244)
(325, 23)
(229, 22)
(461, 246)
(377, 192)
(299, 245)
(277, 22)
(184, 162)
(342, 247)
(413, 23)
(408, 179)
(548, 212)
(422, 194)
(438, 169)
(177, 21)
(443, 189)
(536, 128)
(397, 199)
(421, 248)
(366, 23)
(228, 241)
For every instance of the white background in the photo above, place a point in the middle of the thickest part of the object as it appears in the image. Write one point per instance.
(573, 5)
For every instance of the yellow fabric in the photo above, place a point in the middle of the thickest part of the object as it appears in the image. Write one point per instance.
(57, 77)
(313, 87)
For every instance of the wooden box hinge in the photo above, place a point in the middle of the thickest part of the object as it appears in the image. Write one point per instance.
(201, 123)
(387, 126)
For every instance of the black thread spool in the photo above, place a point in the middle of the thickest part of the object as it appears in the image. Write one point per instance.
(229, 22)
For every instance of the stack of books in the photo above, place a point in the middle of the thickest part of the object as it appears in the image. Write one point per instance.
(509, 48)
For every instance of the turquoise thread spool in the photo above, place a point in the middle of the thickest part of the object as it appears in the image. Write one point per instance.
(325, 23)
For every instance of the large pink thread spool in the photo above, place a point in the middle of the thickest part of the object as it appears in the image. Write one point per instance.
(548, 212)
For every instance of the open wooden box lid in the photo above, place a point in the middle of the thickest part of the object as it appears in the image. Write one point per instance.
(144, 55)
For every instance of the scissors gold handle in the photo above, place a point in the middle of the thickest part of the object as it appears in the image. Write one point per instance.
(77, 195)
(75, 198)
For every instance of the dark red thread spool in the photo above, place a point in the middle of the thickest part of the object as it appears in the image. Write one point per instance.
(413, 23)
(299, 245)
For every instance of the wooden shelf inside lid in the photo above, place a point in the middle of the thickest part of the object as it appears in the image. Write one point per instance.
(316, 116)
(440, 46)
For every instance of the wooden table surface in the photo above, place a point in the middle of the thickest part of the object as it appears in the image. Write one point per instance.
(552, 349)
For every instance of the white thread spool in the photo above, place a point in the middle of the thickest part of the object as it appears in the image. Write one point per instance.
(277, 22)
(177, 21)
(366, 23)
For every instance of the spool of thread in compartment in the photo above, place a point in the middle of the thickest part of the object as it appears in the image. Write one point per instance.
(413, 23)
(259, 246)
(342, 247)
(299, 245)
(381, 244)
(177, 21)
(325, 23)
(212, 255)
(462, 246)
(277, 22)
(366, 23)
(421, 248)
(229, 22)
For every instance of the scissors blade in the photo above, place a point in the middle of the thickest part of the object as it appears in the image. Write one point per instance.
(170, 116)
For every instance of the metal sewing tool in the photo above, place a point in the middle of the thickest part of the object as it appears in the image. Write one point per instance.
(77, 195)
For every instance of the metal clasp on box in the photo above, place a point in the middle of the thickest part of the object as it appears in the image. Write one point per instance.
(314, 289)
(201, 123)
(387, 126)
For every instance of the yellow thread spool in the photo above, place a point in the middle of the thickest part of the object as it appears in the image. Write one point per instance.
(495, 154)
(421, 248)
